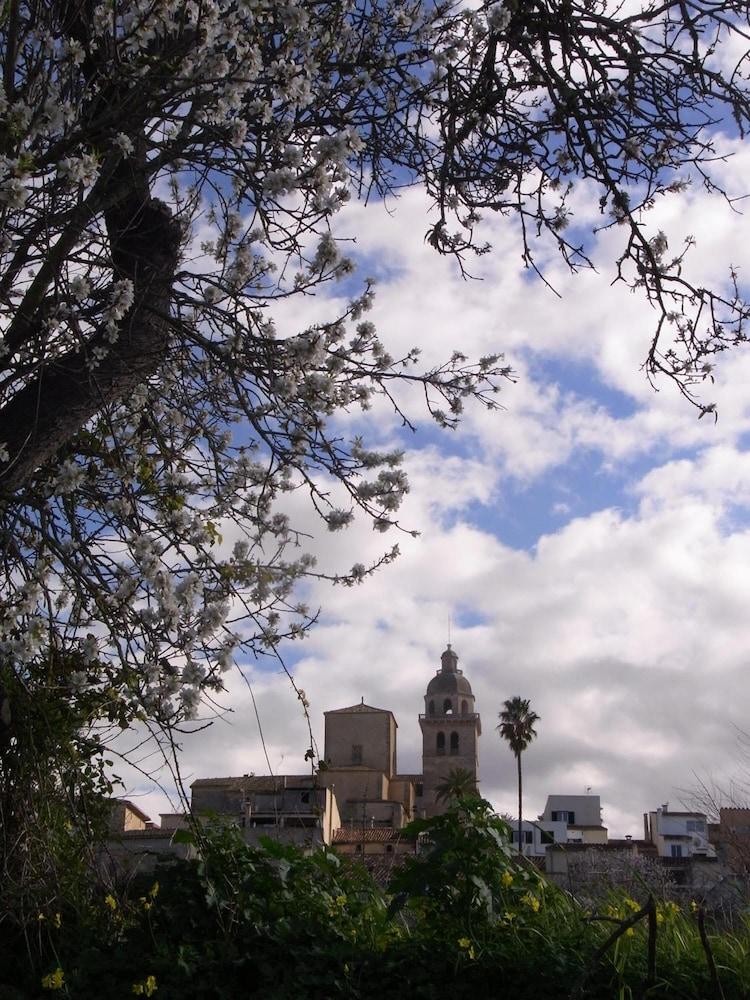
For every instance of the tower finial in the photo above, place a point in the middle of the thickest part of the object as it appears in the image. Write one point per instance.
(449, 630)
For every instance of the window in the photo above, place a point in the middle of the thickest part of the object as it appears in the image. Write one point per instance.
(548, 837)
(440, 746)
(447, 706)
(454, 743)
(305, 797)
(675, 850)
(528, 836)
(419, 789)
(356, 753)
(431, 709)
(696, 826)
(464, 708)
(563, 816)
(389, 848)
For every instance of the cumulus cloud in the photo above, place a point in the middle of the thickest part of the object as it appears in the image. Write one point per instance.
(627, 627)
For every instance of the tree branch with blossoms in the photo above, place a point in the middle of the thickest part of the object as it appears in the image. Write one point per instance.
(169, 171)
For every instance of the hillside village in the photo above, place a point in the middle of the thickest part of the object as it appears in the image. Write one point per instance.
(360, 804)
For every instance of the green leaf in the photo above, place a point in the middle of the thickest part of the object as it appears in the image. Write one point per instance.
(183, 837)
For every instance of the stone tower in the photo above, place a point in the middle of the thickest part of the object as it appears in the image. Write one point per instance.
(450, 729)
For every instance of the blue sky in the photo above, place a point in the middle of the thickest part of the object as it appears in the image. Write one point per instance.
(590, 541)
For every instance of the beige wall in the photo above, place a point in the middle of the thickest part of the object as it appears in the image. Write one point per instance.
(356, 783)
(402, 790)
(122, 818)
(372, 731)
(594, 835)
(437, 766)
(396, 847)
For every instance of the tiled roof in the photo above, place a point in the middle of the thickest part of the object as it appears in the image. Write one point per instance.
(382, 867)
(155, 833)
(257, 783)
(368, 835)
(133, 808)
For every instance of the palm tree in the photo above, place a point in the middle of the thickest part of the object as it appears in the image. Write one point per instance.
(460, 783)
(517, 727)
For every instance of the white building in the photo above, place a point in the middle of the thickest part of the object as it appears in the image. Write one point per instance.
(581, 815)
(538, 836)
(678, 834)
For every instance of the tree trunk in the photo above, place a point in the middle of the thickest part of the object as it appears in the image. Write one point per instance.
(520, 807)
(52, 408)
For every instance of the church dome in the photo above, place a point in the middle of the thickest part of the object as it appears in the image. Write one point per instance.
(449, 683)
(450, 680)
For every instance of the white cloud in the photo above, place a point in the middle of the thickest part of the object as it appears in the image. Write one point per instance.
(629, 632)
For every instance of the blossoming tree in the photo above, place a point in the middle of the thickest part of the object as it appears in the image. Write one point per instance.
(169, 170)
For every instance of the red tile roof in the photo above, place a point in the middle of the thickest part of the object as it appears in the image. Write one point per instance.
(368, 835)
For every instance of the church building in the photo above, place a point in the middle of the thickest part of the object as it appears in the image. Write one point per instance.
(358, 783)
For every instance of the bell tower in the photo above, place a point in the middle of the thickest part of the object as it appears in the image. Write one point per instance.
(451, 728)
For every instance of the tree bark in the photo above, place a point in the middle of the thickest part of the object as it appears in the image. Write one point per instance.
(520, 802)
(52, 408)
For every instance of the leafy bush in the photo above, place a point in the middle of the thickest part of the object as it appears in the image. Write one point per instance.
(464, 918)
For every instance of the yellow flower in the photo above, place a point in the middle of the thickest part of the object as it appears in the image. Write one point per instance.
(694, 907)
(145, 989)
(509, 916)
(57, 920)
(634, 906)
(111, 902)
(629, 932)
(154, 890)
(531, 901)
(145, 903)
(341, 901)
(466, 945)
(40, 917)
(507, 879)
(54, 980)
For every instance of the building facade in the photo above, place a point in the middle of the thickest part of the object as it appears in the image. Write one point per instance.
(358, 786)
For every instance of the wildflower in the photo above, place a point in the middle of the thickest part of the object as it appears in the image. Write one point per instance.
(632, 904)
(629, 932)
(465, 944)
(147, 988)
(111, 902)
(54, 980)
(507, 879)
(146, 903)
(694, 907)
(154, 890)
(57, 920)
(528, 899)
(341, 901)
